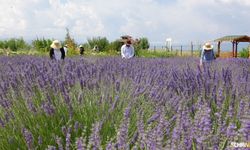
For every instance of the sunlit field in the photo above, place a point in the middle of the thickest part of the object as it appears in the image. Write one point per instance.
(112, 103)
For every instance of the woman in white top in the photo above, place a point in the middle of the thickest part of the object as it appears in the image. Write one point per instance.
(127, 50)
(56, 52)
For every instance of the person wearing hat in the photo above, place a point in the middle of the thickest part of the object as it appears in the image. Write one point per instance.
(207, 53)
(56, 51)
(127, 50)
(81, 49)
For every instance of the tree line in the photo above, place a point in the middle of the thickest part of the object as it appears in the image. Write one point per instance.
(43, 44)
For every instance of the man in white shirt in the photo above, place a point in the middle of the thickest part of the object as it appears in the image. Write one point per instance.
(127, 50)
(65, 49)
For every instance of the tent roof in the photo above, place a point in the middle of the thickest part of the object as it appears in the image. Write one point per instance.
(234, 38)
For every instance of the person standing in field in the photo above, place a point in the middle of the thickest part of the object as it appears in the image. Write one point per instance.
(207, 53)
(56, 51)
(81, 50)
(65, 49)
(127, 50)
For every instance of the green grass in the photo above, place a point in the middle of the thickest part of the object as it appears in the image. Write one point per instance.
(91, 53)
(154, 54)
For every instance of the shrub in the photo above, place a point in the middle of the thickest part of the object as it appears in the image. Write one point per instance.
(3, 44)
(115, 46)
(42, 45)
(244, 53)
(14, 44)
(144, 44)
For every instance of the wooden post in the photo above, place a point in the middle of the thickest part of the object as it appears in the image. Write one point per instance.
(181, 50)
(192, 48)
(236, 49)
(233, 48)
(219, 48)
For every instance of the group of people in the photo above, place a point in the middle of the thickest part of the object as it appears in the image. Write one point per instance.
(207, 53)
(58, 52)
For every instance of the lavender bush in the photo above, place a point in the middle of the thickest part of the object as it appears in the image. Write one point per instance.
(111, 103)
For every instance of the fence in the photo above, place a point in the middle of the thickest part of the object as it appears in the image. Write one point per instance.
(180, 50)
(195, 49)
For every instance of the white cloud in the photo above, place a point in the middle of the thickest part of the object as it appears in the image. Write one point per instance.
(11, 19)
(240, 2)
(156, 19)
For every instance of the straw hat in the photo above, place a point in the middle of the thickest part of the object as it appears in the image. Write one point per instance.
(56, 44)
(208, 46)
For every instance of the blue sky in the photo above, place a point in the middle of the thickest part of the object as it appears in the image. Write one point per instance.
(182, 20)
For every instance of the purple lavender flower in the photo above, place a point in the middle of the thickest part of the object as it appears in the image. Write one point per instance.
(51, 147)
(68, 139)
(5, 103)
(28, 138)
(141, 131)
(31, 106)
(94, 141)
(122, 135)
(64, 130)
(2, 122)
(80, 144)
(48, 108)
(59, 143)
(109, 146)
(76, 126)
(231, 131)
(40, 140)
(245, 129)
(117, 86)
(202, 125)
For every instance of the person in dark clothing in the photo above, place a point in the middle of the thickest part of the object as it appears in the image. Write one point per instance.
(56, 51)
(81, 50)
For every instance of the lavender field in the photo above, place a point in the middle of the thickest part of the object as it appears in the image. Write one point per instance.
(111, 103)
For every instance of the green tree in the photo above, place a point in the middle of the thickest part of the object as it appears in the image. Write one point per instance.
(115, 45)
(144, 44)
(12, 44)
(72, 46)
(2, 44)
(42, 45)
(21, 44)
(101, 42)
